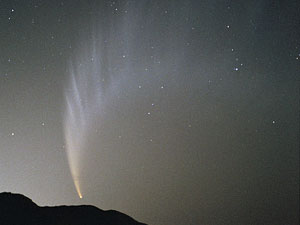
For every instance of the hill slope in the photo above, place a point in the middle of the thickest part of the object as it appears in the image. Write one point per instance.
(16, 209)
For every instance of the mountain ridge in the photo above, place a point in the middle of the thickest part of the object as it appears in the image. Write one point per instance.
(17, 209)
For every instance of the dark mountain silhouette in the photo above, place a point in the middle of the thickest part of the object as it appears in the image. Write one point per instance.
(16, 209)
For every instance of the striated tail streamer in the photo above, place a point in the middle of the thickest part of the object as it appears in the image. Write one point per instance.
(84, 100)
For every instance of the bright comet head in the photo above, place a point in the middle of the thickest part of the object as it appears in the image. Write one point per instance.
(77, 188)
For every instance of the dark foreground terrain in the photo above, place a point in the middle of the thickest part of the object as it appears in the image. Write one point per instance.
(16, 209)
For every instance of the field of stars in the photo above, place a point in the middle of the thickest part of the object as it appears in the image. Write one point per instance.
(173, 112)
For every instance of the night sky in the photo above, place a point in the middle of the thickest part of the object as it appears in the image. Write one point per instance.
(173, 112)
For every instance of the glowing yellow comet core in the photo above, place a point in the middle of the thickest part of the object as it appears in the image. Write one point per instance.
(77, 188)
(73, 155)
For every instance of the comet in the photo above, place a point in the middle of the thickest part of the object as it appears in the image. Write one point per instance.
(88, 85)
(78, 189)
